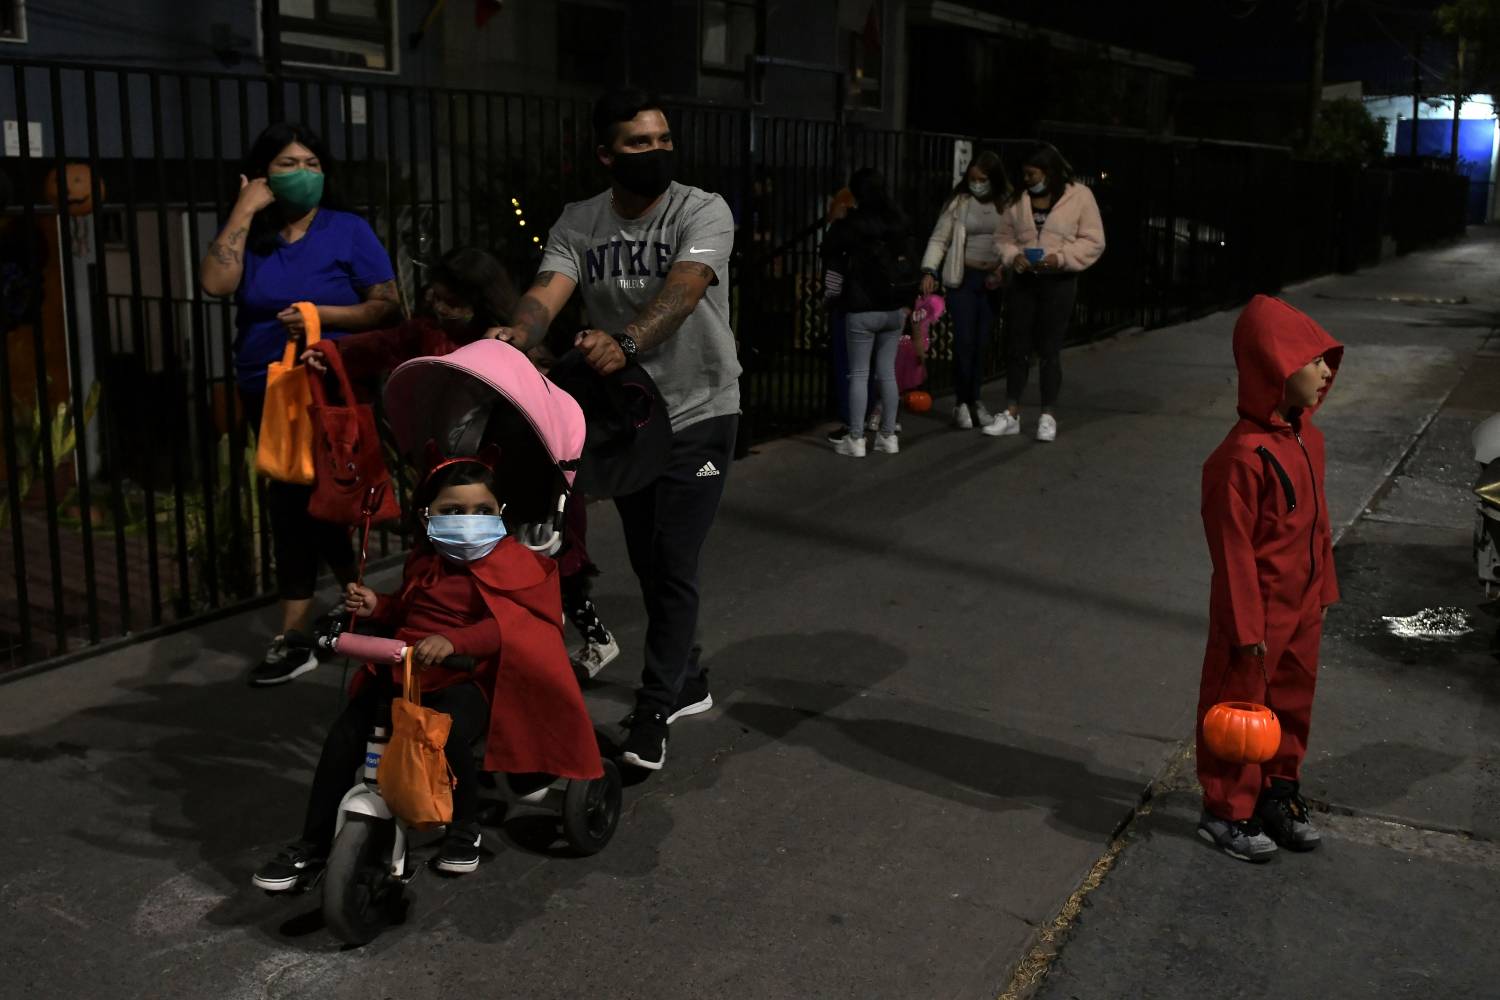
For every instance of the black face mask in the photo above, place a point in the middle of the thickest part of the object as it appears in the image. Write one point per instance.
(645, 174)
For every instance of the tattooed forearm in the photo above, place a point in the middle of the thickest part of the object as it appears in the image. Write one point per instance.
(226, 250)
(663, 315)
(386, 291)
(544, 278)
(532, 317)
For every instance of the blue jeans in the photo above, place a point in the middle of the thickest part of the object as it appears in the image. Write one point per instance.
(841, 370)
(973, 311)
(877, 334)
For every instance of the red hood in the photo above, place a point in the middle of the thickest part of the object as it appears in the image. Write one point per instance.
(1271, 341)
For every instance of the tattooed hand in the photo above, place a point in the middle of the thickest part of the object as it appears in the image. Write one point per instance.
(601, 351)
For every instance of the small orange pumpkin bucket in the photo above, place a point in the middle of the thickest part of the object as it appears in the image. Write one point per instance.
(918, 401)
(1241, 732)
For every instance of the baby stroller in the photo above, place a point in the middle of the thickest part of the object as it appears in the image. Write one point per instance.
(485, 394)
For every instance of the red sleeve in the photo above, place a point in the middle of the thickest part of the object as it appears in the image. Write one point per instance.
(1229, 493)
(481, 640)
(1330, 591)
(373, 353)
(385, 610)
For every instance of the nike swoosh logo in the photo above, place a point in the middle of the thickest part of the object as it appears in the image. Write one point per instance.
(704, 250)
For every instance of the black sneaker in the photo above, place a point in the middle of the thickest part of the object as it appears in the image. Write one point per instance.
(836, 435)
(1283, 812)
(693, 699)
(298, 865)
(646, 746)
(460, 853)
(283, 662)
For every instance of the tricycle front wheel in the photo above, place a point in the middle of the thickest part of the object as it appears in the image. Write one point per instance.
(360, 896)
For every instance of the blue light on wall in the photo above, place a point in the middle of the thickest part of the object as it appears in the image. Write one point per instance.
(1476, 137)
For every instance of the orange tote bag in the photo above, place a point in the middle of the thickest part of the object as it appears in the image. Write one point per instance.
(414, 776)
(284, 449)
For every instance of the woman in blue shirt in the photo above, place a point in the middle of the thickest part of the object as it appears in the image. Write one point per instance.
(287, 241)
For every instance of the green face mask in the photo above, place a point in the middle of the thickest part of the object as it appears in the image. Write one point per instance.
(299, 189)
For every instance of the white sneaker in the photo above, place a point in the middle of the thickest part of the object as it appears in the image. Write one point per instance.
(1004, 425)
(593, 657)
(887, 443)
(1046, 428)
(961, 418)
(851, 446)
(985, 417)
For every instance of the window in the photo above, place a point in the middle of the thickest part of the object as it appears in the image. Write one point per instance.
(343, 34)
(730, 33)
(12, 20)
(865, 59)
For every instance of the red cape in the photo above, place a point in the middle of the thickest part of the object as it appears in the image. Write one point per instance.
(538, 720)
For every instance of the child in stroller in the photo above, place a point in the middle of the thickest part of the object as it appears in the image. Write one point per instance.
(496, 441)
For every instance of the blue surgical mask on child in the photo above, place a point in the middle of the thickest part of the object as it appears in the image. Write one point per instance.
(465, 537)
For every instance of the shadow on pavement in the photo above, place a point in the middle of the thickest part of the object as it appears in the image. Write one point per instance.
(936, 759)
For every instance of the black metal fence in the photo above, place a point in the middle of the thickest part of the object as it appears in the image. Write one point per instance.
(129, 500)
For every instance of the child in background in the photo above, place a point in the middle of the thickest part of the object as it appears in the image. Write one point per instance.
(468, 292)
(1266, 518)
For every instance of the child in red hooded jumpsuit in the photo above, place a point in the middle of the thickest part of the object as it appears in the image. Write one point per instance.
(1266, 519)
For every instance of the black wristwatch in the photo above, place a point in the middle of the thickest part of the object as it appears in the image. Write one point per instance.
(627, 344)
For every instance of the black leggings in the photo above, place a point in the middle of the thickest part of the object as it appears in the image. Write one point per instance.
(299, 541)
(344, 752)
(1039, 309)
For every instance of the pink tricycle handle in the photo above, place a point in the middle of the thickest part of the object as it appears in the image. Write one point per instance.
(369, 647)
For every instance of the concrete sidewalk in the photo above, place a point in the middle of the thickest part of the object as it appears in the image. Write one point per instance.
(1403, 898)
(945, 678)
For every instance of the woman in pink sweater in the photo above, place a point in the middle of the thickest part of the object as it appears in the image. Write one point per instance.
(1049, 232)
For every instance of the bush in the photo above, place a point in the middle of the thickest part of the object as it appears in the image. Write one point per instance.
(1347, 133)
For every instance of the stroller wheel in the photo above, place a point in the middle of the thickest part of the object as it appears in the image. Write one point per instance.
(591, 811)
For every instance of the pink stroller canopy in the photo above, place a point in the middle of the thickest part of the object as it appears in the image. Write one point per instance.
(450, 400)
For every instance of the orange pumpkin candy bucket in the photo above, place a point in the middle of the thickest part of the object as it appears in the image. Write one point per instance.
(1241, 732)
(918, 401)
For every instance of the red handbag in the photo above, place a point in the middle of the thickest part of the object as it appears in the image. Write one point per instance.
(347, 458)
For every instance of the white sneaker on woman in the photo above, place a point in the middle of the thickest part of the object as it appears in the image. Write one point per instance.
(1046, 428)
(961, 418)
(887, 443)
(1004, 425)
(851, 445)
(983, 417)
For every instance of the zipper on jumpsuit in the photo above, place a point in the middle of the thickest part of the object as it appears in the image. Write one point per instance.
(1312, 537)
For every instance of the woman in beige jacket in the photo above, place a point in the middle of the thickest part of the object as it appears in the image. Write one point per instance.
(963, 256)
(1049, 233)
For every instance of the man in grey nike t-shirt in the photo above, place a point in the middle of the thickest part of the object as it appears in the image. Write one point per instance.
(620, 265)
(651, 259)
